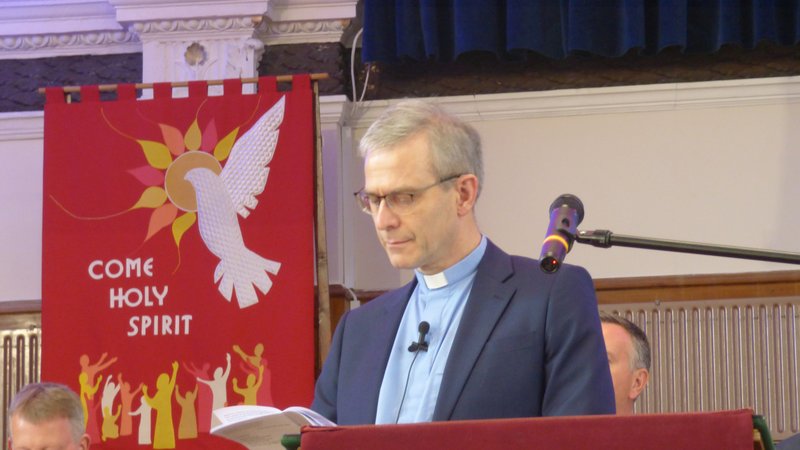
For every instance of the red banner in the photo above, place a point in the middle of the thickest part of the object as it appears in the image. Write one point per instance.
(178, 257)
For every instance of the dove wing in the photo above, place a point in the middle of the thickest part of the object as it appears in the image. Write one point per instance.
(245, 172)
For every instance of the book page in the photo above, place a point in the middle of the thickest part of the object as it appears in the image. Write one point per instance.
(311, 417)
(259, 433)
(262, 427)
(231, 414)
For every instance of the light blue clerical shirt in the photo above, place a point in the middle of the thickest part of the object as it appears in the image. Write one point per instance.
(411, 382)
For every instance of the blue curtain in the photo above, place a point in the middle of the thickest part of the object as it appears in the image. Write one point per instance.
(441, 30)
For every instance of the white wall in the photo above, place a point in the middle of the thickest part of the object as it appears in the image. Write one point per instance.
(703, 162)
(21, 206)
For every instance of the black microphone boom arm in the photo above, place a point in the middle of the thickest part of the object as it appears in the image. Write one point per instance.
(606, 239)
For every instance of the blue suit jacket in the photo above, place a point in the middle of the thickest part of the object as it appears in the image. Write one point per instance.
(529, 344)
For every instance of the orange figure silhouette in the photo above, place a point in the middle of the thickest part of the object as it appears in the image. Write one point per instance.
(161, 402)
(254, 364)
(126, 397)
(187, 427)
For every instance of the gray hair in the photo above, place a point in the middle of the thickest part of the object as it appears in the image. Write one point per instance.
(641, 346)
(41, 402)
(455, 145)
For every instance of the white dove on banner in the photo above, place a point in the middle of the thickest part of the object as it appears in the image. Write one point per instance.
(234, 190)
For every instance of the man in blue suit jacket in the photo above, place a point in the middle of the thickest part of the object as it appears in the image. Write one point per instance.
(504, 340)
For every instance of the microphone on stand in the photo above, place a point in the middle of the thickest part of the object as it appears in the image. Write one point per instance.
(566, 213)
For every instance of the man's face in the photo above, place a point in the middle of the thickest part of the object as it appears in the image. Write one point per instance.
(425, 236)
(619, 347)
(55, 434)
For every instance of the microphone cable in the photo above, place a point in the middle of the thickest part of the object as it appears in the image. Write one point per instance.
(405, 389)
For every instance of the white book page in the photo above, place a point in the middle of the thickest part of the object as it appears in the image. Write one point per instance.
(231, 414)
(312, 417)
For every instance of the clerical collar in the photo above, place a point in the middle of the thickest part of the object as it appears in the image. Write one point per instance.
(458, 271)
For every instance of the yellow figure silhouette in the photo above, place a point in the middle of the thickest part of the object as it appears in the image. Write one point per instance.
(187, 427)
(161, 402)
(87, 393)
(86, 378)
(110, 428)
(256, 359)
(257, 364)
(250, 391)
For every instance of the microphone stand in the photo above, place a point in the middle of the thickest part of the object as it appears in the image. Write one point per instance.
(605, 239)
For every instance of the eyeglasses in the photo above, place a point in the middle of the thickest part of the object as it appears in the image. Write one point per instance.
(398, 202)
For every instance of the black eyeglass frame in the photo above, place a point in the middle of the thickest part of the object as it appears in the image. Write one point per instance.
(405, 198)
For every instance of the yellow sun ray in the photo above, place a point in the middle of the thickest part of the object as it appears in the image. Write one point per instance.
(179, 227)
(156, 153)
(225, 145)
(152, 197)
(194, 137)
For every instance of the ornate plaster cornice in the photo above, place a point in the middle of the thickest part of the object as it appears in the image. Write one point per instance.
(194, 26)
(301, 32)
(48, 28)
(67, 44)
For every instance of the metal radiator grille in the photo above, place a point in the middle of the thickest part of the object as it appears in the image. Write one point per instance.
(715, 355)
(22, 347)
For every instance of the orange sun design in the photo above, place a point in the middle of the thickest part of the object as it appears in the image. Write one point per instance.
(166, 192)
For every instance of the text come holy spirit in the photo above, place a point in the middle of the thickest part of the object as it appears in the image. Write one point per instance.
(138, 297)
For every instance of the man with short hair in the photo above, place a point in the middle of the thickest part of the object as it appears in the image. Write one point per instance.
(628, 358)
(503, 339)
(46, 416)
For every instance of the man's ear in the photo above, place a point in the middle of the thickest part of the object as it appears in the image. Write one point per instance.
(85, 442)
(467, 188)
(640, 378)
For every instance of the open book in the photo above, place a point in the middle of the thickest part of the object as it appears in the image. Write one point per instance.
(261, 427)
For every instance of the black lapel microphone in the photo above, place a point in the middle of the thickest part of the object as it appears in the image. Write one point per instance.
(420, 344)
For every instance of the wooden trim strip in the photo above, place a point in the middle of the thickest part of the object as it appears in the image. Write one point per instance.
(698, 287)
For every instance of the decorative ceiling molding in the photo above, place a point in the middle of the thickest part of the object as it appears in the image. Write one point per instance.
(202, 25)
(49, 28)
(302, 32)
(52, 45)
(306, 21)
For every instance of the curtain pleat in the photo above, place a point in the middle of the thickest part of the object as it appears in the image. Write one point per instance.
(441, 30)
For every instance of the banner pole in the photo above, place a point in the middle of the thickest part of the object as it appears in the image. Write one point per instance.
(113, 87)
(323, 289)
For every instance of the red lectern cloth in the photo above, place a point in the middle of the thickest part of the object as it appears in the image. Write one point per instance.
(178, 232)
(724, 430)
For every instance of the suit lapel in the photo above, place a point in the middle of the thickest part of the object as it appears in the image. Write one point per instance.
(487, 301)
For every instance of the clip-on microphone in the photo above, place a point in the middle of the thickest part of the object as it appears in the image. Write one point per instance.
(421, 344)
